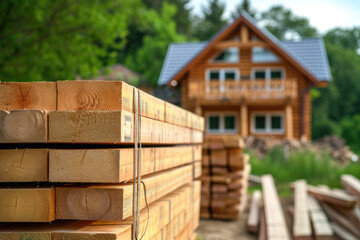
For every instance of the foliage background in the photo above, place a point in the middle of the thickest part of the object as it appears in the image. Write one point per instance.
(48, 40)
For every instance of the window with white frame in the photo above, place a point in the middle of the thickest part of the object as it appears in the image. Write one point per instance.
(221, 123)
(222, 75)
(261, 54)
(268, 74)
(228, 55)
(269, 123)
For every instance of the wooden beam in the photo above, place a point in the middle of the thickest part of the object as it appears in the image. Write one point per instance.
(27, 95)
(320, 224)
(352, 185)
(249, 44)
(175, 115)
(115, 165)
(253, 220)
(289, 122)
(341, 220)
(27, 204)
(114, 202)
(23, 126)
(23, 165)
(302, 227)
(342, 233)
(275, 220)
(262, 227)
(244, 35)
(244, 120)
(114, 127)
(95, 95)
(328, 196)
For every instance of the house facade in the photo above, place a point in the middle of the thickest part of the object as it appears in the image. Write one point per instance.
(245, 81)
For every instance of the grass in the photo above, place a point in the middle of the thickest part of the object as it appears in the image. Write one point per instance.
(316, 168)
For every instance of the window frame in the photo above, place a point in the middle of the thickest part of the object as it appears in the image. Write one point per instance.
(268, 129)
(267, 71)
(222, 116)
(212, 59)
(222, 73)
(252, 56)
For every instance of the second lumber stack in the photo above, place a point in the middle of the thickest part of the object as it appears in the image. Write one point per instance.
(73, 143)
(225, 177)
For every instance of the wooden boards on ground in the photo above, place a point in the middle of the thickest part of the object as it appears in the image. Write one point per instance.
(352, 185)
(320, 224)
(275, 220)
(253, 221)
(301, 227)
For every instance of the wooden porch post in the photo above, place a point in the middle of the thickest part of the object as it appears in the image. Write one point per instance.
(289, 122)
(244, 120)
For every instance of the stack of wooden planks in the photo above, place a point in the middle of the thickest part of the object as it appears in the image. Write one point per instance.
(317, 212)
(76, 154)
(225, 177)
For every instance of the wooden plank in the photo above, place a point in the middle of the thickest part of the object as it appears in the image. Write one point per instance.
(328, 196)
(23, 126)
(27, 95)
(114, 202)
(95, 95)
(160, 213)
(115, 165)
(253, 220)
(23, 165)
(289, 121)
(152, 107)
(275, 219)
(114, 127)
(302, 227)
(195, 121)
(175, 115)
(27, 205)
(352, 185)
(341, 220)
(342, 233)
(320, 224)
(262, 230)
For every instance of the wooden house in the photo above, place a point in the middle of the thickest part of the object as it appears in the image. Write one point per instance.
(245, 81)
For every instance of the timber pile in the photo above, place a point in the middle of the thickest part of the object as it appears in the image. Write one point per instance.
(99, 160)
(317, 212)
(225, 177)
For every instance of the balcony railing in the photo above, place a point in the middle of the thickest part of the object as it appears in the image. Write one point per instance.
(248, 89)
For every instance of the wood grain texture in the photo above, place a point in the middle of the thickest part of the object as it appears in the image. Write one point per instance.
(27, 95)
(27, 205)
(23, 165)
(352, 185)
(152, 107)
(301, 227)
(95, 95)
(320, 223)
(90, 127)
(114, 202)
(23, 126)
(175, 115)
(114, 165)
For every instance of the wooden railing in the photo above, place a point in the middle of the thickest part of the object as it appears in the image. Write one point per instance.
(248, 89)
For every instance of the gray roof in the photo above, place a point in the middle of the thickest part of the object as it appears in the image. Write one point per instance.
(309, 53)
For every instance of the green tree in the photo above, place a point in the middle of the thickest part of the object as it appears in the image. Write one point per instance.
(348, 38)
(51, 40)
(211, 21)
(284, 24)
(245, 5)
(148, 59)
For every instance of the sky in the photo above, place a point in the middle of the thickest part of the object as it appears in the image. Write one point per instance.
(323, 14)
